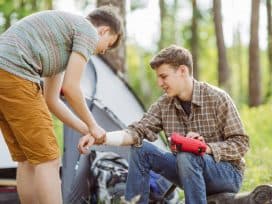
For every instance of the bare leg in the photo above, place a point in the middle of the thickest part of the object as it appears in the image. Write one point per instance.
(25, 183)
(47, 182)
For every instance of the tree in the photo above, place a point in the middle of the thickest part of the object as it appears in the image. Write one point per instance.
(254, 59)
(162, 25)
(116, 58)
(269, 35)
(14, 10)
(168, 30)
(194, 39)
(223, 66)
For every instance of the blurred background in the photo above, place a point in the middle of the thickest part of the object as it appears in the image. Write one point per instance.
(231, 43)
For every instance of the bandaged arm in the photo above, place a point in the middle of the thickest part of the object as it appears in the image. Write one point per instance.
(119, 138)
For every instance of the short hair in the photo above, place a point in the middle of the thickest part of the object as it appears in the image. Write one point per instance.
(108, 16)
(175, 56)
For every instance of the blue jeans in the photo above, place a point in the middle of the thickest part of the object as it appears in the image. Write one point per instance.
(198, 176)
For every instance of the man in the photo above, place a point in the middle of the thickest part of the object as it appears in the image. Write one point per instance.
(46, 44)
(197, 110)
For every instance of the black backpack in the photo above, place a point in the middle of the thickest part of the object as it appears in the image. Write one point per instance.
(108, 180)
(109, 172)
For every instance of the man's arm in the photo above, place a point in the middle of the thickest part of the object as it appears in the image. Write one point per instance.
(73, 94)
(236, 142)
(114, 138)
(147, 128)
(52, 88)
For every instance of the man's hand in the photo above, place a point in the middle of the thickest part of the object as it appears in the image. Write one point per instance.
(208, 150)
(98, 133)
(195, 135)
(84, 143)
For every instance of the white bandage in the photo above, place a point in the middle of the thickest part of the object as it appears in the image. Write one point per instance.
(115, 138)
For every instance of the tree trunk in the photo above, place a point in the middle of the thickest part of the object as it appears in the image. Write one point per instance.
(223, 67)
(48, 4)
(194, 39)
(237, 54)
(254, 59)
(116, 58)
(269, 34)
(162, 27)
(261, 194)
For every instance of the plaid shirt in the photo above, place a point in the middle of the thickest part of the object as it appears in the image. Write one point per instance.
(213, 115)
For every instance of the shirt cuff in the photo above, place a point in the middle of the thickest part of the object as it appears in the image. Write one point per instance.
(215, 151)
(138, 141)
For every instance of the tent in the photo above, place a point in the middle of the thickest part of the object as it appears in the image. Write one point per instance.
(8, 193)
(5, 158)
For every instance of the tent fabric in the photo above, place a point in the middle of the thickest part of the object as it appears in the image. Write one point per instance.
(5, 158)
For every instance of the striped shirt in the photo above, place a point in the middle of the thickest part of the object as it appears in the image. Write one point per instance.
(213, 115)
(39, 45)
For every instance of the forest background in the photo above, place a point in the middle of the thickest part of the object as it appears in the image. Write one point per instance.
(231, 43)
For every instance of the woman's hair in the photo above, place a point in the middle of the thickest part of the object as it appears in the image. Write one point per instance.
(108, 16)
(173, 55)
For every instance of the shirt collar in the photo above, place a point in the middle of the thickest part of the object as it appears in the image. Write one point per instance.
(196, 98)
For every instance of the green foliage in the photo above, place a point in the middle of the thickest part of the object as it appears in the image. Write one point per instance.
(257, 122)
(207, 58)
(141, 76)
(58, 127)
(13, 10)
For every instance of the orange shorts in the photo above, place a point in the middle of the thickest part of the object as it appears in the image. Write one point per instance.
(25, 120)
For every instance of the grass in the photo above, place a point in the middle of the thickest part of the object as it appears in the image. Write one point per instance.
(257, 122)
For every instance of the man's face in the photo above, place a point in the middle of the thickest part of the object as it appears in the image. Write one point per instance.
(169, 79)
(106, 40)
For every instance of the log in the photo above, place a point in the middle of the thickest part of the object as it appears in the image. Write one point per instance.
(260, 195)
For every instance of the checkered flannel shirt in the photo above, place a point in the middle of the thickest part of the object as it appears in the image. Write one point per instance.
(213, 115)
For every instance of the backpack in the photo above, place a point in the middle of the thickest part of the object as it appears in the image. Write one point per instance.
(109, 173)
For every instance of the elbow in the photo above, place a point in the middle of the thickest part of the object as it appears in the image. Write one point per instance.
(68, 89)
(65, 89)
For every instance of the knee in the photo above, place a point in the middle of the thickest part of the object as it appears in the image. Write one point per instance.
(141, 153)
(141, 150)
(188, 161)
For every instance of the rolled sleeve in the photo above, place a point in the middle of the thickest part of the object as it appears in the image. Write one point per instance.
(215, 151)
(148, 126)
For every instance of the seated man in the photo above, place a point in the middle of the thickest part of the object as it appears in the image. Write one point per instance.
(196, 110)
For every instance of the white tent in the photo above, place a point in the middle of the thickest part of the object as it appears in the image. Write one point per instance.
(5, 159)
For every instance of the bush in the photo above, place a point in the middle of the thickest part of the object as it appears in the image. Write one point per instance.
(258, 126)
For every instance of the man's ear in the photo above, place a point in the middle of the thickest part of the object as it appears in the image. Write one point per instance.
(103, 29)
(183, 69)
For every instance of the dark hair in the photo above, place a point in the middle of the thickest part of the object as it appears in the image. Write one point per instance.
(175, 56)
(108, 16)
